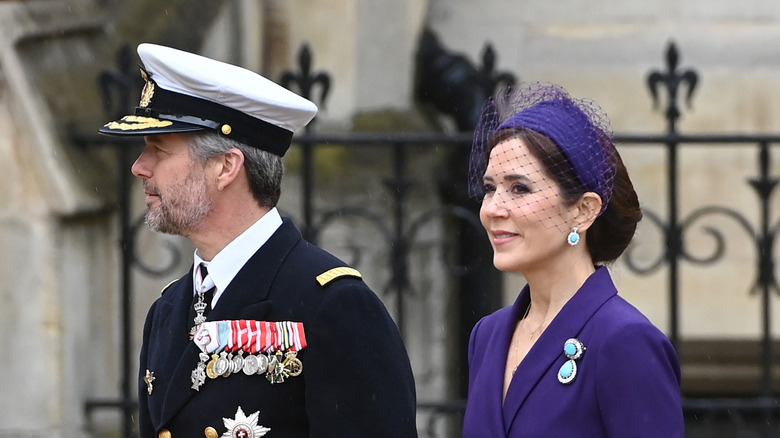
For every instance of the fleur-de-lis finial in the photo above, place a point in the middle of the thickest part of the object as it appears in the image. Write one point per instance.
(673, 79)
(305, 79)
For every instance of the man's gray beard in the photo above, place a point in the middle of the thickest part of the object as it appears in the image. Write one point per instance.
(162, 220)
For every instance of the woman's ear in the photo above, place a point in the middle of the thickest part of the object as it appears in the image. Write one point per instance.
(586, 210)
(230, 165)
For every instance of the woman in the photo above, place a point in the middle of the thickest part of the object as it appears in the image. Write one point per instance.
(570, 358)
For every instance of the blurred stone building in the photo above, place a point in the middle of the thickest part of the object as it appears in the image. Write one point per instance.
(60, 228)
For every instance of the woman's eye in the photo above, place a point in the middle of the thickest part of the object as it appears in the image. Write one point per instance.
(520, 189)
(488, 188)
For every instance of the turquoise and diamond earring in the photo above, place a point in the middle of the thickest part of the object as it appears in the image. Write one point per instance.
(573, 238)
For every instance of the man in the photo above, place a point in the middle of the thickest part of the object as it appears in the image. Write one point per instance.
(267, 335)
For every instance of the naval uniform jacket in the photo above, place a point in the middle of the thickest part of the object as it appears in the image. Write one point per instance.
(627, 383)
(356, 379)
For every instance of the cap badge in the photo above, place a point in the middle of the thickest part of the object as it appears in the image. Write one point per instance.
(147, 92)
(243, 426)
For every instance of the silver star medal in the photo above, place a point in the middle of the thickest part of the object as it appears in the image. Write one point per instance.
(243, 426)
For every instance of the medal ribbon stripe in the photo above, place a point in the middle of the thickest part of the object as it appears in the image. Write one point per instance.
(269, 341)
(284, 338)
(225, 338)
(272, 329)
(254, 330)
(300, 338)
(231, 343)
(263, 340)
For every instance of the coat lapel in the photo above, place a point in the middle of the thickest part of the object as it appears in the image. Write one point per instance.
(548, 349)
(172, 321)
(491, 377)
(246, 295)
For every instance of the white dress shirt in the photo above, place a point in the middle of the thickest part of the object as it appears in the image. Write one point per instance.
(226, 264)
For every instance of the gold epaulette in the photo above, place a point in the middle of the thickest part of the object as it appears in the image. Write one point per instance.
(332, 274)
(167, 286)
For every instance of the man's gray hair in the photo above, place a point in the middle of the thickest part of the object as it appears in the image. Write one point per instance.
(263, 169)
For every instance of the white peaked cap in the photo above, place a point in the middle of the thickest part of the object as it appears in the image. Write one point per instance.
(188, 92)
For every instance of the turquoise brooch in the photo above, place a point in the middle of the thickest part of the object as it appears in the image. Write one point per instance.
(573, 349)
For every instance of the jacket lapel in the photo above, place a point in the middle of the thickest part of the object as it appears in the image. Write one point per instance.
(548, 349)
(486, 379)
(172, 320)
(246, 295)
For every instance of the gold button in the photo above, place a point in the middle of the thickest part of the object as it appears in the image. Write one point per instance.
(165, 433)
(211, 432)
(226, 129)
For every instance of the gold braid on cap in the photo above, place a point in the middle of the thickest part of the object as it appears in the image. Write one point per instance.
(138, 122)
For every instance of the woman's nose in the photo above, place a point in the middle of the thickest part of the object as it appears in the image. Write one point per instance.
(494, 205)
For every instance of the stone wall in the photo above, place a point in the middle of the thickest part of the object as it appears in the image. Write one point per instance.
(59, 266)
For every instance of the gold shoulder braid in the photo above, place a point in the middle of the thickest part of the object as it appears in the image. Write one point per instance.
(328, 276)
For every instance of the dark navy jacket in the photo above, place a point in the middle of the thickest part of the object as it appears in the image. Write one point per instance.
(356, 379)
(627, 382)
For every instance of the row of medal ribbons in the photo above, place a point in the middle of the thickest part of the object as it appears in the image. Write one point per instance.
(250, 336)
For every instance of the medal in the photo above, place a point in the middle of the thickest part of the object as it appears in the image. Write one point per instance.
(149, 378)
(262, 363)
(251, 365)
(272, 362)
(222, 365)
(210, 367)
(275, 372)
(199, 373)
(238, 362)
(200, 307)
(243, 426)
(293, 366)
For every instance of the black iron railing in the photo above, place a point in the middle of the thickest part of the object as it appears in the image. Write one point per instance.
(757, 412)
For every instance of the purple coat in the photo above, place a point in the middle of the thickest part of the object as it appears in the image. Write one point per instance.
(627, 382)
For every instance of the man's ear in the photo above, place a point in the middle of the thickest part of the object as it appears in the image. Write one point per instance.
(229, 166)
(586, 210)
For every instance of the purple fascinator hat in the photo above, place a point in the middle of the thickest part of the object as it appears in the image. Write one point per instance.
(579, 128)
